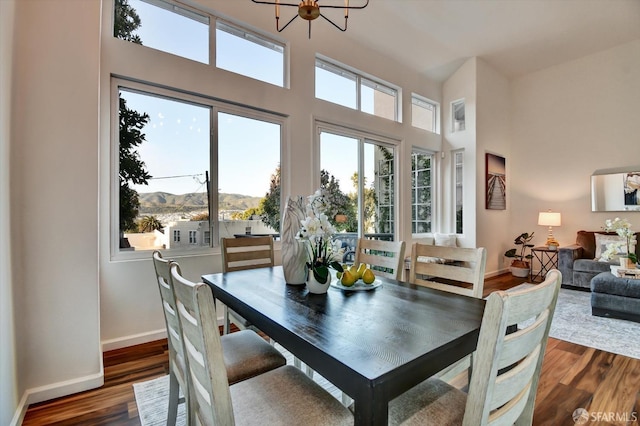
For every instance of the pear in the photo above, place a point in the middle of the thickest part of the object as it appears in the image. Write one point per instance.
(368, 277)
(354, 271)
(361, 269)
(348, 279)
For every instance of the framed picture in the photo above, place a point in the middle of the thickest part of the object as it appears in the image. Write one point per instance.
(496, 181)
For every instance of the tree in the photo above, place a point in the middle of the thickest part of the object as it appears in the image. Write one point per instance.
(132, 168)
(149, 224)
(126, 21)
(270, 204)
(339, 203)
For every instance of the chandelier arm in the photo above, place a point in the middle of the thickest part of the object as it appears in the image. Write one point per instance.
(336, 25)
(286, 25)
(280, 4)
(330, 6)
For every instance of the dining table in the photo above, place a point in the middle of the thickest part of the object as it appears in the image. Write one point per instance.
(373, 342)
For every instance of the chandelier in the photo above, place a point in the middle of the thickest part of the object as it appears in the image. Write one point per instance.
(309, 10)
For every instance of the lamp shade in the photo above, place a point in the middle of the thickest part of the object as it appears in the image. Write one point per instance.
(549, 219)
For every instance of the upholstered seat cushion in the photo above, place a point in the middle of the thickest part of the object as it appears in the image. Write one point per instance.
(432, 402)
(590, 265)
(609, 284)
(286, 396)
(246, 355)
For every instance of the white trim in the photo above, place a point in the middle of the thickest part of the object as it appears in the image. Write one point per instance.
(134, 339)
(56, 390)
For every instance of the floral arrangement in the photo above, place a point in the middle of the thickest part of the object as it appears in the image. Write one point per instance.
(317, 232)
(622, 227)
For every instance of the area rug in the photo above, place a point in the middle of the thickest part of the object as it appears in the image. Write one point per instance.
(152, 396)
(573, 322)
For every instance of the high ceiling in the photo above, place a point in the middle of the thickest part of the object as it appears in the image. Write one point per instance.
(435, 37)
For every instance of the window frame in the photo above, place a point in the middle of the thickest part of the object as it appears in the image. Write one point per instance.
(216, 106)
(422, 151)
(361, 79)
(416, 100)
(362, 137)
(455, 103)
(454, 180)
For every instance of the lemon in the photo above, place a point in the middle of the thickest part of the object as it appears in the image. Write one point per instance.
(348, 279)
(361, 269)
(368, 277)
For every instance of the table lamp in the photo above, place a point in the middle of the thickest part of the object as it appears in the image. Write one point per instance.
(550, 219)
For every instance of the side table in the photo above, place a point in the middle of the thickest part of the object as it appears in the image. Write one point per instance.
(548, 260)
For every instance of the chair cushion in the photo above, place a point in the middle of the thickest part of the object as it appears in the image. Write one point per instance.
(246, 355)
(592, 266)
(286, 396)
(431, 402)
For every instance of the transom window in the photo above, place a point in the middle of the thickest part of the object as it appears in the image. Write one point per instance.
(337, 84)
(184, 31)
(424, 113)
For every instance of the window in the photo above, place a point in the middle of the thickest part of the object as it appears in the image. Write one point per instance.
(458, 159)
(421, 192)
(164, 26)
(457, 116)
(249, 54)
(172, 149)
(334, 83)
(180, 30)
(424, 113)
(361, 181)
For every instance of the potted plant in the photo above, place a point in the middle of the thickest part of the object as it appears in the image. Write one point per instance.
(520, 263)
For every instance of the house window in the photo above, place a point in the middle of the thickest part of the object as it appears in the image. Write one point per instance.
(181, 30)
(172, 148)
(458, 167)
(421, 192)
(352, 89)
(249, 54)
(424, 113)
(152, 23)
(457, 116)
(361, 181)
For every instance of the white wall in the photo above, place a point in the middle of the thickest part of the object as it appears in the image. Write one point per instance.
(54, 200)
(9, 389)
(568, 121)
(461, 85)
(493, 135)
(123, 284)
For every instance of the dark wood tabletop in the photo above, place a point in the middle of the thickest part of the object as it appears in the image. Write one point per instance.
(373, 345)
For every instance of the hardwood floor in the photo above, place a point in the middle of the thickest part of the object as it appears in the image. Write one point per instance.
(573, 376)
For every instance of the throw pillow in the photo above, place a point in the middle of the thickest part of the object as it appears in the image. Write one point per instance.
(447, 240)
(611, 247)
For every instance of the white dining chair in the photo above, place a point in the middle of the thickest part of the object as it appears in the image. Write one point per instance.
(245, 353)
(386, 258)
(283, 396)
(506, 368)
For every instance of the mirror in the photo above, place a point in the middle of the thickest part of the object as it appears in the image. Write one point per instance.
(615, 190)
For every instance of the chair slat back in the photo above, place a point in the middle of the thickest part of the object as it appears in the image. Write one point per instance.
(386, 257)
(209, 387)
(506, 368)
(464, 265)
(172, 322)
(246, 253)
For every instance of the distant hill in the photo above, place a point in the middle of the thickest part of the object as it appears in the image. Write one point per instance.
(163, 202)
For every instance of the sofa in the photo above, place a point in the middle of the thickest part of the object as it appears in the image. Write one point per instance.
(578, 263)
(615, 297)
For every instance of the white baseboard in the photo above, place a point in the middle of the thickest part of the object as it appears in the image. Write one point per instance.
(135, 339)
(55, 390)
(496, 273)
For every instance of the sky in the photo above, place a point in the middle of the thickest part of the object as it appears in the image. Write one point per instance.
(176, 151)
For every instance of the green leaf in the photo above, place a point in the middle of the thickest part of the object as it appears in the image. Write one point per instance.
(337, 266)
(321, 274)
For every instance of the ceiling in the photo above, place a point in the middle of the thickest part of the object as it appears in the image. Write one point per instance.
(435, 37)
